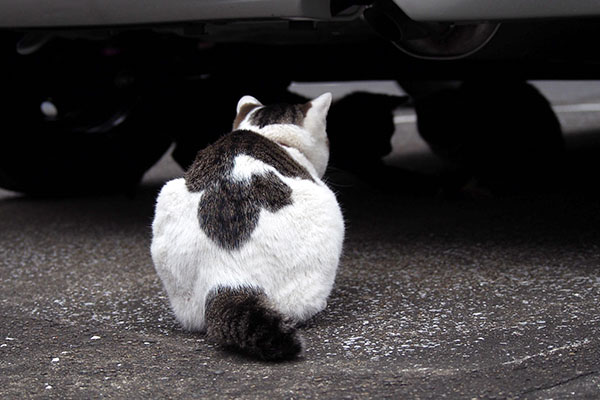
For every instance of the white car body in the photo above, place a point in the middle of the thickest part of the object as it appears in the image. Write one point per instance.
(86, 13)
(62, 13)
(482, 10)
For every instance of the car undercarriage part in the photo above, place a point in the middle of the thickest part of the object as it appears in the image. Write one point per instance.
(80, 123)
(337, 6)
(427, 40)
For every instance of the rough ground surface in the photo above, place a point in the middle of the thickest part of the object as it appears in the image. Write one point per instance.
(458, 298)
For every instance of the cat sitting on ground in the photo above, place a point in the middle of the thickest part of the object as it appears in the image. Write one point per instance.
(248, 242)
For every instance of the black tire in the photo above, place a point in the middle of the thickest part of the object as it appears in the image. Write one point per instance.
(97, 133)
(505, 133)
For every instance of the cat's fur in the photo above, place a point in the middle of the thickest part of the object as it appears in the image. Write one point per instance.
(247, 244)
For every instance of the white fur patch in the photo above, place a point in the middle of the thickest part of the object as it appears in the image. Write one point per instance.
(245, 166)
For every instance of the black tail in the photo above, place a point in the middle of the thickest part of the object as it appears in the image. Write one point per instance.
(242, 319)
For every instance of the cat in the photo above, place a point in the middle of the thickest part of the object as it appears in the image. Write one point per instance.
(360, 127)
(248, 242)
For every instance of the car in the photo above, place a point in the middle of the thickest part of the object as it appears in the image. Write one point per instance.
(94, 93)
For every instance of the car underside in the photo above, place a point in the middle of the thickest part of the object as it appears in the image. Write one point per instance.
(123, 81)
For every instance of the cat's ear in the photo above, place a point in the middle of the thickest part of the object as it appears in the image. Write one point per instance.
(244, 106)
(247, 102)
(320, 106)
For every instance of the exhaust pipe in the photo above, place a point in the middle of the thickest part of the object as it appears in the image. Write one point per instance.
(427, 40)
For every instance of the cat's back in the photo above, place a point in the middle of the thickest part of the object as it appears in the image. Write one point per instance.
(238, 180)
(248, 213)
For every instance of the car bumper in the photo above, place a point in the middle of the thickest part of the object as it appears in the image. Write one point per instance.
(483, 10)
(81, 13)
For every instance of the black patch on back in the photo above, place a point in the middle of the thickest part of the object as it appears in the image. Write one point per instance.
(280, 114)
(229, 210)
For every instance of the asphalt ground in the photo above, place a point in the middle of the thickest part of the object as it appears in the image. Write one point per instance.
(436, 297)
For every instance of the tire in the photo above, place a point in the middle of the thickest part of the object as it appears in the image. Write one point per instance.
(75, 127)
(503, 133)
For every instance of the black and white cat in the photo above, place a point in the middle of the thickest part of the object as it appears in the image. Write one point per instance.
(248, 242)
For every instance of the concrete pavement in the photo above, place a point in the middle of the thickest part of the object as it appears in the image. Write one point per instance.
(435, 298)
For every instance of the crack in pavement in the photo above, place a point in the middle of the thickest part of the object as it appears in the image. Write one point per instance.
(563, 382)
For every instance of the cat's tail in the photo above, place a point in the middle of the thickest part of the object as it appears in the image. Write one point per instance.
(243, 320)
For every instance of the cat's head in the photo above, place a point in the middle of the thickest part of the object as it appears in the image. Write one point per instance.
(300, 126)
